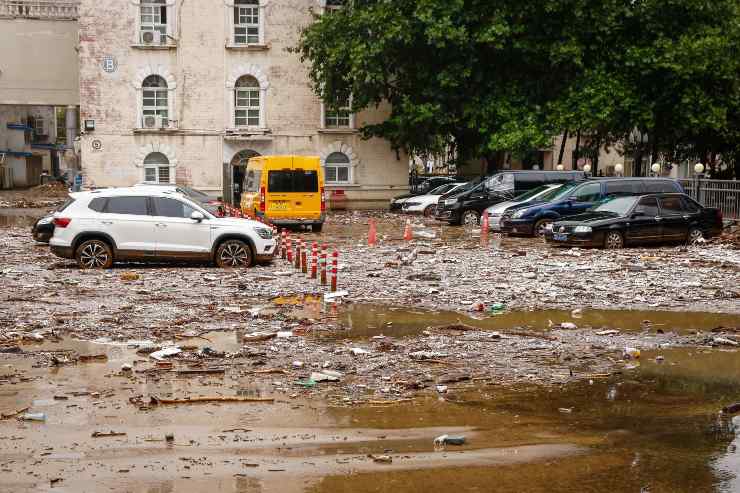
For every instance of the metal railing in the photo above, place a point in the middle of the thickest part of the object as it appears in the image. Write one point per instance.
(722, 194)
(39, 9)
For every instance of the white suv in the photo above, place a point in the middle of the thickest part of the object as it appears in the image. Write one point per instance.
(140, 223)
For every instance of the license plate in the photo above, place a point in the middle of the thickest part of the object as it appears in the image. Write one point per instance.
(559, 236)
(279, 206)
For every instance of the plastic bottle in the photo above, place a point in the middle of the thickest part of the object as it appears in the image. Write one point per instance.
(34, 417)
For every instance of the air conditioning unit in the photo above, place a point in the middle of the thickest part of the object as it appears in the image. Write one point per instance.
(150, 121)
(163, 122)
(153, 38)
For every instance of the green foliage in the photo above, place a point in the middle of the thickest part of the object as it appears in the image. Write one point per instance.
(494, 75)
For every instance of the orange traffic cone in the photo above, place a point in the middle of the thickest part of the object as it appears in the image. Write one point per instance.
(408, 235)
(372, 234)
(484, 229)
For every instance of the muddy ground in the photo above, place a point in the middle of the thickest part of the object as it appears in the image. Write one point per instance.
(538, 390)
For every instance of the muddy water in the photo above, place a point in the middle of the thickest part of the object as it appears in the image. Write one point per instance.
(20, 217)
(653, 429)
(364, 321)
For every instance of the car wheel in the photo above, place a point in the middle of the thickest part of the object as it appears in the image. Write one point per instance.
(430, 210)
(613, 240)
(234, 253)
(541, 226)
(94, 254)
(470, 218)
(316, 228)
(695, 236)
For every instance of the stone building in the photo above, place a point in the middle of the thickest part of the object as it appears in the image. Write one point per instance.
(186, 92)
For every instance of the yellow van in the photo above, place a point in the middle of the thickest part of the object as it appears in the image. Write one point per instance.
(285, 190)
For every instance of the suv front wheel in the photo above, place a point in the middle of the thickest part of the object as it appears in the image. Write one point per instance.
(94, 254)
(234, 253)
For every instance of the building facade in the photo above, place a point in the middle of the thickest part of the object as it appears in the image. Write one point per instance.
(186, 92)
(39, 89)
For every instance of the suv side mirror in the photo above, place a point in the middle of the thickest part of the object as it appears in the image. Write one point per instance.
(197, 216)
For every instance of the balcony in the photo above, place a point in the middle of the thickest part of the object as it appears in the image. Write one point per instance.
(39, 9)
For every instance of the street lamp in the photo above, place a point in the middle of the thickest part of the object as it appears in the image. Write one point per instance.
(656, 168)
(619, 169)
(587, 168)
(698, 168)
(560, 167)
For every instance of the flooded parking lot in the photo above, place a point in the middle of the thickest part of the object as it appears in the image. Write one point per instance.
(516, 347)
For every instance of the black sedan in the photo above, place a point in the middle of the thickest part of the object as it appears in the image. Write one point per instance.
(655, 218)
(43, 229)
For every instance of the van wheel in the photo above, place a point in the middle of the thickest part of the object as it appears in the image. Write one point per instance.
(695, 236)
(470, 218)
(94, 254)
(430, 210)
(613, 240)
(234, 253)
(316, 228)
(540, 227)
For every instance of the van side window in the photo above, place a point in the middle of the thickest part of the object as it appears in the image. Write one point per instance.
(621, 188)
(590, 192)
(252, 180)
(660, 186)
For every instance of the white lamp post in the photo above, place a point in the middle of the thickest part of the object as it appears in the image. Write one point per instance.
(656, 168)
(560, 167)
(698, 168)
(587, 168)
(619, 169)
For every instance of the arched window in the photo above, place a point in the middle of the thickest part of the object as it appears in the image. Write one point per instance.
(246, 22)
(154, 98)
(156, 168)
(337, 168)
(247, 102)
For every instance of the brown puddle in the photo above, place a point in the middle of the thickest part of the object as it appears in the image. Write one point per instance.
(653, 429)
(364, 321)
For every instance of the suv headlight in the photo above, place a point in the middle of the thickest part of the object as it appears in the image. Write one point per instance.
(264, 233)
(450, 201)
(583, 229)
(519, 214)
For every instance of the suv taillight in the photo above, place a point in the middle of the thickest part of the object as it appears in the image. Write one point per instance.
(262, 199)
(62, 222)
(323, 200)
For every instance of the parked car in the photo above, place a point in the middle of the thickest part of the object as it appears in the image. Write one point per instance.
(538, 194)
(43, 229)
(427, 204)
(214, 206)
(286, 190)
(654, 218)
(140, 223)
(575, 199)
(466, 207)
(422, 188)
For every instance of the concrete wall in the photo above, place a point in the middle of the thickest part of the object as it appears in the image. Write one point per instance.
(38, 62)
(200, 70)
(15, 140)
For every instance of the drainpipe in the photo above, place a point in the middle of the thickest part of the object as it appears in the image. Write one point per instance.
(71, 124)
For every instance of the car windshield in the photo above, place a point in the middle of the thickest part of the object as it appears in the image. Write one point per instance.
(558, 193)
(442, 189)
(618, 205)
(532, 193)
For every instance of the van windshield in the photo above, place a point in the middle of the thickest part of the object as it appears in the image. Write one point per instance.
(533, 193)
(293, 181)
(500, 182)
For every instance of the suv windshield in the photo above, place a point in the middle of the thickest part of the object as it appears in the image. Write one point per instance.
(619, 206)
(443, 189)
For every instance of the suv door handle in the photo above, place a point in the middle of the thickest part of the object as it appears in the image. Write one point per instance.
(107, 222)
(161, 225)
(658, 218)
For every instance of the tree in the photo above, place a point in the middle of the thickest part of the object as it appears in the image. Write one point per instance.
(490, 76)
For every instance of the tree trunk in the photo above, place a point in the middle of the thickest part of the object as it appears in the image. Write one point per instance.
(574, 160)
(596, 153)
(562, 146)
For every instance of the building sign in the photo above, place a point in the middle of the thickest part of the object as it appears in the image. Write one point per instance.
(110, 64)
(97, 145)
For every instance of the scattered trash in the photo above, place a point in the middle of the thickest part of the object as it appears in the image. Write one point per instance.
(442, 389)
(130, 276)
(422, 355)
(154, 400)
(169, 437)
(381, 459)
(259, 336)
(33, 417)
(565, 410)
(443, 440)
(165, 353)
(568, 326)
(104, 434)
(631, 353)
(723, 341)
(331, 297)
(356, 351)
(608, 332)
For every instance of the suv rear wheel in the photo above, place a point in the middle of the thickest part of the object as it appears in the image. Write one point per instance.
(695, 236)
(613, 240)
(541, 226)
(234, 253)
(94, 254)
